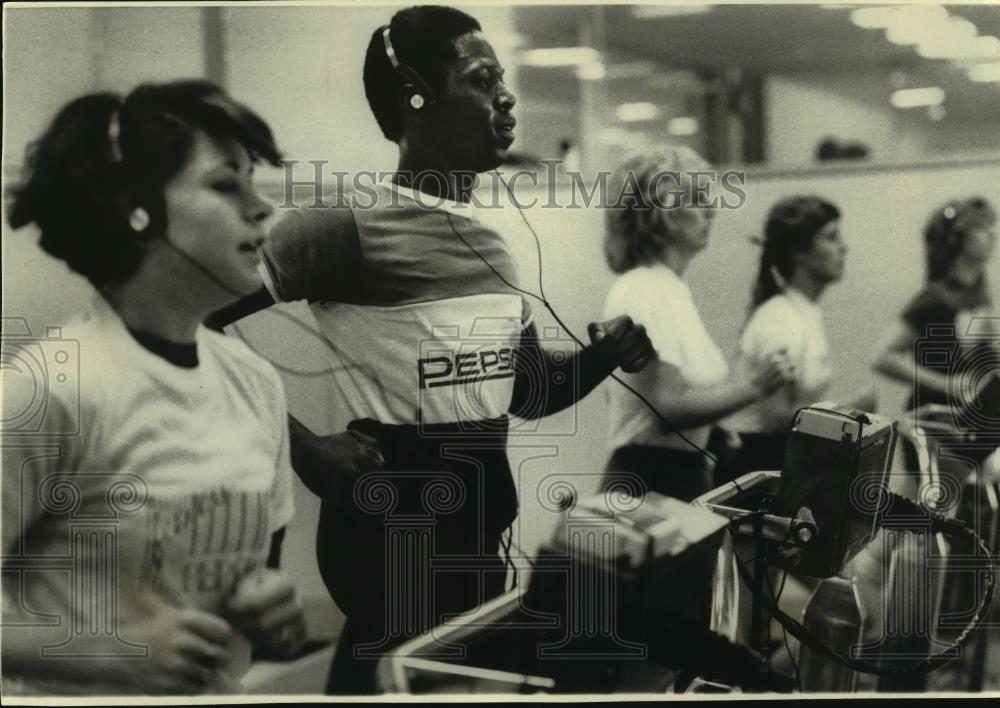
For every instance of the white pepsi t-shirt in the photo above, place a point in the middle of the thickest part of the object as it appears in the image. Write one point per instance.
(413, 296)
(138, 484)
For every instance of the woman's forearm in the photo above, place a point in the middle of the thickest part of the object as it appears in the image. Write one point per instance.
(901, 367)
(305, 459)
(695, 406)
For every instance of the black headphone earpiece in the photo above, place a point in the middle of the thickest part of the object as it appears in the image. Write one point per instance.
(422, 95)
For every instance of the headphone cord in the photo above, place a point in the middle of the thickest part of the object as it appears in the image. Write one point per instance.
(927, 663)
(202, 268)
(540, 297)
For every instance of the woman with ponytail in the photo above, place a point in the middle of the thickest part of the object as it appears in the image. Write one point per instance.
(166, 441)
(653, 234)
(802, 254)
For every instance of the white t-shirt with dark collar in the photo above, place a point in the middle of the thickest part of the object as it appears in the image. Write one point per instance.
(138, 484)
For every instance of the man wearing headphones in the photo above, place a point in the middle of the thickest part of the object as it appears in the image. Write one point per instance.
(432, 346)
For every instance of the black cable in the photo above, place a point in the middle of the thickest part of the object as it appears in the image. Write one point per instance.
(781, 589)
(506, 553)
(791, 658)
(545, 301)
(784, 632)
(203, 269)
(749, 515)
(520, 550)
(540, 297)
(924, 665)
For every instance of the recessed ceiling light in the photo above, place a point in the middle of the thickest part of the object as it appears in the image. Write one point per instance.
(874, 17)
(629, 112)
(978, 48)
(507, 40)
(651, 11)
(916, 97)
(594, 71)
(560, 56)
(682, 126)
(919, 27)
(984, 72)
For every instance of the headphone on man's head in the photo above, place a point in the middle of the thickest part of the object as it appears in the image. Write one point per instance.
(422, 96)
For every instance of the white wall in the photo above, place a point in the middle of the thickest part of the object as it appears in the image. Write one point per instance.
(54, 54)
(802, 110)
(883, 214)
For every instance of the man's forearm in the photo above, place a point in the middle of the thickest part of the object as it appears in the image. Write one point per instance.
(305, 460)
(563, 384)
(238, 310)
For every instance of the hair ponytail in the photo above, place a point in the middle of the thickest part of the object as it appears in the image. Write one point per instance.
(770, 281)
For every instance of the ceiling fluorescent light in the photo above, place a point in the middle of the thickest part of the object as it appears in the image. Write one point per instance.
(682, 126)
(978, 48)
(629, 112)
(507, 40)
(921, 25)
(560, 56)
(646, 12)
(594, 71)
(916, 97)
(875, 17)
(984, 72)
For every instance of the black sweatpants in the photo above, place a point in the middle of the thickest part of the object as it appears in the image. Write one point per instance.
(759, 451)
(681, 474)
(419, 541)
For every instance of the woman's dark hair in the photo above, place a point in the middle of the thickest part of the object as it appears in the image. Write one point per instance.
(103, 156)
(947, 230)
(791, 226)
(423, 38)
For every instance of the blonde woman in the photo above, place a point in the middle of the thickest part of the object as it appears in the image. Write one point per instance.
(653, 234)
